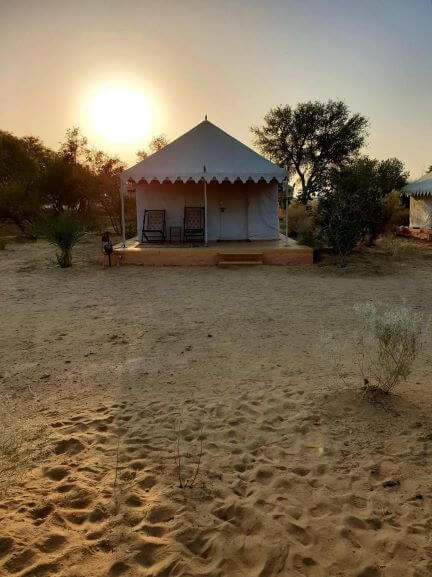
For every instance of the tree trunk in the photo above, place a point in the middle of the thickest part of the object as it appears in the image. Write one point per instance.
(65, 259)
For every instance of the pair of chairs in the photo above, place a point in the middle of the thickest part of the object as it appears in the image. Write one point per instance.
(154, 225)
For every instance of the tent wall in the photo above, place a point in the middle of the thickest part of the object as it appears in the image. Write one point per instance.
(263, 211)
(421, 211)
(235, 211)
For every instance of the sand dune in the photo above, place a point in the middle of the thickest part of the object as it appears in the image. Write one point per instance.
(295, 479)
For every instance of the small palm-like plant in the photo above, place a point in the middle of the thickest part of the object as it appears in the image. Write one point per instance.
(63, 231)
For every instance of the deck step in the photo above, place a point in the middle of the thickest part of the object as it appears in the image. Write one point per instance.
(225, 263)
(240, 259)
(240, 256)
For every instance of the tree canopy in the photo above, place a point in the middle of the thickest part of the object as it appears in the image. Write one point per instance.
(354, 207)
(311, 140)
(35, 180)
(156, 143)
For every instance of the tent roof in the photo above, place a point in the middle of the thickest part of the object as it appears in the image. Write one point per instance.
(205, 145)
(420, 187)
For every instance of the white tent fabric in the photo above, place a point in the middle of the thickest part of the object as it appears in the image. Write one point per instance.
(204, 153)
(249, 211)
(420, 187)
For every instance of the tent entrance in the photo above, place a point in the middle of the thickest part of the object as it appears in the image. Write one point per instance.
(233, 208)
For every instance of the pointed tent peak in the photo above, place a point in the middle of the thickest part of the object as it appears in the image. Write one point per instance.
(224, 157)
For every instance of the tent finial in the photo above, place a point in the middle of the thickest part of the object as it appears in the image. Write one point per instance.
(205, 117)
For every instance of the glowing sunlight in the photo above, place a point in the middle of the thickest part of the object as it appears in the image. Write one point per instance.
(120, 114)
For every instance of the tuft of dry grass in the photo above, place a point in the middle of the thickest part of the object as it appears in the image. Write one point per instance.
(23, 442)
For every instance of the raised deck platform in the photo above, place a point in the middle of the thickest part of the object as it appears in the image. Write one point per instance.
(274, 252)
(416, 232)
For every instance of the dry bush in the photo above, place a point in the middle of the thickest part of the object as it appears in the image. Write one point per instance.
(23, 441)
(385, 344)
(395, 213)
(188, 463)
(299, 216)
(394, 247)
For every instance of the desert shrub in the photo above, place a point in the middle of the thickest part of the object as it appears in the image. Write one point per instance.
(390, 340)
(340, 222)
(64, 231)
(393, 246)
(306, 235)
(386, 342)
(356, 206)
(298, 216)
(22, 444)
(396, 214)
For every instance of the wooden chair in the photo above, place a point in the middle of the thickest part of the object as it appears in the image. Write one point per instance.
(193, 225)
(154, 226)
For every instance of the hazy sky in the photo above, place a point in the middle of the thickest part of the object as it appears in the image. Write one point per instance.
(231, 59)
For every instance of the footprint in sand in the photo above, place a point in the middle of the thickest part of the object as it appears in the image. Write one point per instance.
(133, 501)
(355, 523)
(76, 517)
(65, 488)
(160, 514)
(299, 533)
(264, 475)
(79, 498)
(20, 561)
(147, 482)
(6, 546)
(153, 530)
(301, 471)
(55, 473)
(42, 570)
(52, 543)
(319, 510)
(137, 465)
(147, 554)
(42, 512)
(306, 565)
(119, 568)
(71, 446)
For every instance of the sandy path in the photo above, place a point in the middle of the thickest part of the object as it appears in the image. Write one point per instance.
(294, 476)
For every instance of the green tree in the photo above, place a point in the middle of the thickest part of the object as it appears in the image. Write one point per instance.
(67, 186)
(75, 146)
(141, 154)
(339, 220)
(107, 171)
(311, 140)
(354, 206)
(21, 165)
(370, 181)
(156, 143)
(67, 181)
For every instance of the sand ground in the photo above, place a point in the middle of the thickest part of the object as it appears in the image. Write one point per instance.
(130, 367)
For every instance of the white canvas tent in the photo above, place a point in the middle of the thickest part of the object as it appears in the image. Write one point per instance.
(420, 193)
(207, 167)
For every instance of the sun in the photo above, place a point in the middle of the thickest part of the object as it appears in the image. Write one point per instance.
(120, 114)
